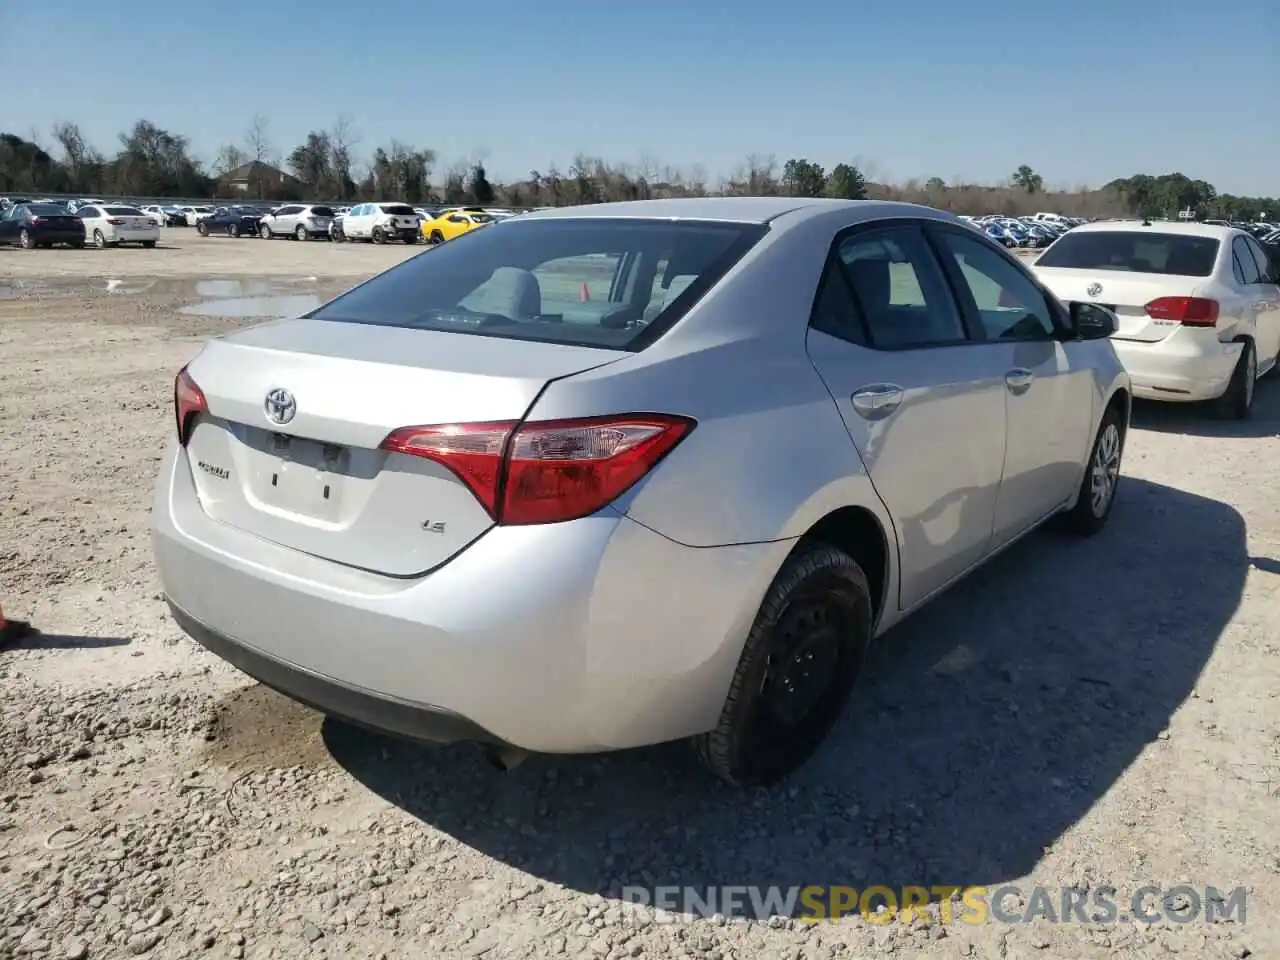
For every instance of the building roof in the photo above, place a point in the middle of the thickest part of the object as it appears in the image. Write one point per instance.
(257, 168)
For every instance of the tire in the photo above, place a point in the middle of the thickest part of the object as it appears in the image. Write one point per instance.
(233, 230)
(1094, 504)
(264, 231)
(437, 236)
(819, 606)
(301, 233)
(149, 244)
(202, 229)
(99, 240)
(25, 241)
(379, 236)
(1237, 402)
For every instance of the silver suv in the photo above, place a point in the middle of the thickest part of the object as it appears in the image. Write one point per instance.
(297, 220)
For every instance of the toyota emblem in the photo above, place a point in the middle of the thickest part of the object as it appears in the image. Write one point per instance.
(1093, 289)
(280, 405)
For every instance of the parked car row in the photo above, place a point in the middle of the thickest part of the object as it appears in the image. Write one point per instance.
(1039, 230)
(32, 225)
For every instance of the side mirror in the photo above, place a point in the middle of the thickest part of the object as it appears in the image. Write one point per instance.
(1091, 321)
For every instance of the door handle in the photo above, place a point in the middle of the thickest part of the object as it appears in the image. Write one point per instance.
(878, 400)
(1018, 379)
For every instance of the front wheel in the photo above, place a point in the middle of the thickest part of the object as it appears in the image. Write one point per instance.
(26, 241)
(802, 657)
(264, 231)
(233, 230)
(149, 244)
(1237, 402)
(301, 233)
(1097, 493)
(202, 228)
(379, 236)
(99, 240)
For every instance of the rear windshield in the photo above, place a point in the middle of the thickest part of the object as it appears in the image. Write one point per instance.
(322, 211)
(617, 284)
(124, 212)
(1171, 254)
(46, 210)
(398, 209)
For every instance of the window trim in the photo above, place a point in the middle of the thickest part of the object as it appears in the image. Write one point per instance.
(1058, 315)
(834, 262)
(1264, 264)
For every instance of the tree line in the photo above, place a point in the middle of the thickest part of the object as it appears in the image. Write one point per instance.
(150, 161)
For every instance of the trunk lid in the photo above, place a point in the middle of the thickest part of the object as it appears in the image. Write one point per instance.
(319, 482)
(1125, 292)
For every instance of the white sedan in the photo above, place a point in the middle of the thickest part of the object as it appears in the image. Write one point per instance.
(1199, 313)
(110, 226)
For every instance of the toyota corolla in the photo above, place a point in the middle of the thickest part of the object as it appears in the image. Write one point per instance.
(606, 476)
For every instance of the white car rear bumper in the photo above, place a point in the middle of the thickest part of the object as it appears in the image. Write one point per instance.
(1189, 365)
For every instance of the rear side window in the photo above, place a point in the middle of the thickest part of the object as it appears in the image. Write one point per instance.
(617, 284)
(900, 290)
(46, 210)
(322, 211)
(1169, 254)
(398, 209)
(124, 212)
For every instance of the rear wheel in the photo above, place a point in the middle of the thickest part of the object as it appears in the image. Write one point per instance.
(99, 240)
(202, 228)
(149, 244)
(1237, 402)
(264, 231)
(379, 236)
(25, 239)
(437, 236)
(301, 233)
(233, 230)
(802, 657)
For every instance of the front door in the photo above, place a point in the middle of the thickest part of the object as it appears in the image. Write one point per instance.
(1050, 399)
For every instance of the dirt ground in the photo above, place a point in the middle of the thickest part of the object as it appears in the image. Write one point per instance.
(1078, 714)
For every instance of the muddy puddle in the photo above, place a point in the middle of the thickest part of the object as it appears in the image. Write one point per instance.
(259, 729)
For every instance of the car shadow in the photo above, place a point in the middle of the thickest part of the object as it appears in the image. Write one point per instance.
(986, 726)
(1198, 419)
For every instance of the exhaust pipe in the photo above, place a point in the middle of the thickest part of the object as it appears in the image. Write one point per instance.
(505, 759)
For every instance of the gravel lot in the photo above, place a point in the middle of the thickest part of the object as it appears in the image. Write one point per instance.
(1078, 714)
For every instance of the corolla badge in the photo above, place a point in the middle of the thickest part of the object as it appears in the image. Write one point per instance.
(1093, 289)
(280, 406)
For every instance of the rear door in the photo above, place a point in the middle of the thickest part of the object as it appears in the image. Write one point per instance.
(923, 402)
(289, 448)
(1049, 394)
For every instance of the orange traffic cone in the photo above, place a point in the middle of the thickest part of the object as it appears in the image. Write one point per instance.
(12, 630)
(584, 295)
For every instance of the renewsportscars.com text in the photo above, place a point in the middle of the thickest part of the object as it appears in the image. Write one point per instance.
(1008, 903)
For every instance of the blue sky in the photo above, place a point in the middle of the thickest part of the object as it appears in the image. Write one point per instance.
(1082, 90)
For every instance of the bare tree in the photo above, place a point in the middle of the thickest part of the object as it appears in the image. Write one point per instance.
(342, 142)
(229, 158)
(257, 140)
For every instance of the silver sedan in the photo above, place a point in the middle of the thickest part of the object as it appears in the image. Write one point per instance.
(600, 477)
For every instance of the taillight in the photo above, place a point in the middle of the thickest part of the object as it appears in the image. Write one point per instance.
(188, 400)
(548, 471)
(115, 221)
(1189, 311)
(37, 220)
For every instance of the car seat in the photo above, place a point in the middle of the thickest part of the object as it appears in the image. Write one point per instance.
(509, 292)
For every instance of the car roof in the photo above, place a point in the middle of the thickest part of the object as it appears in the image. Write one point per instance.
(1181, 228)
(732, 209)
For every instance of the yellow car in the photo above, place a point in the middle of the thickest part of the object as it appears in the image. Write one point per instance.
(454, 223)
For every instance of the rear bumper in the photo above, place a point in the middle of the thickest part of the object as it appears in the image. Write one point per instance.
(133, 236)
(591, 635)
(375, 711)
(57, 236)
(1188, 366)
